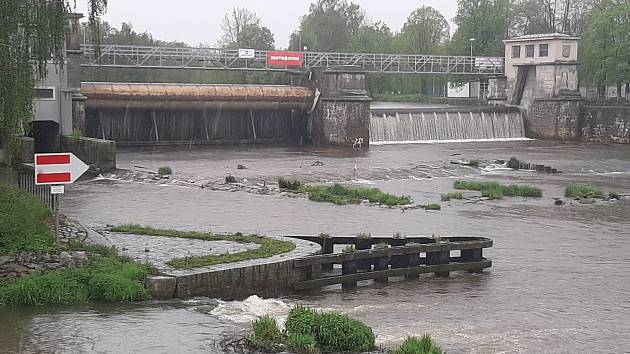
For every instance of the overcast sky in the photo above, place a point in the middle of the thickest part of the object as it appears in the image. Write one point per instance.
(199, 21)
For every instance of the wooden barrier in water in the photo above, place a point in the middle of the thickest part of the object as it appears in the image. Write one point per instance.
(408, 257)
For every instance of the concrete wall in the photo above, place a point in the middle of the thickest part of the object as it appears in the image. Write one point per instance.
(554, 118)
(99, 154)
(340, 122)
(606, 124)
(265, 280)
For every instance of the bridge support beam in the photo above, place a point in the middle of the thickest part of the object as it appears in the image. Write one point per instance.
(342, 116)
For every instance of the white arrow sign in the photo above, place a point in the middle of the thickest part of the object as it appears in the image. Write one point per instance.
(61, 168)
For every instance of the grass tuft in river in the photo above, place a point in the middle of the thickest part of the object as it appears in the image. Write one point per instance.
(290, 185)
(268, 247)
(341, 195)
(413, 345)
(494, 190)
(447, 197)
(165, 171)
(582, 191)
(431, 206)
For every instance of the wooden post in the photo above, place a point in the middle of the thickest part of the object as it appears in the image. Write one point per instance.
(362, 245)
(439, 257)
(413, 261)
(327, 248)
(314, 271)
(473, 256)
(347, 268)
(381, 263)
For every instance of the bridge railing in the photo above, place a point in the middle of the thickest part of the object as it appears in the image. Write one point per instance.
(228, 59)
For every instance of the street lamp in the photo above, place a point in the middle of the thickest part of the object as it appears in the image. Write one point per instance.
(472, 40)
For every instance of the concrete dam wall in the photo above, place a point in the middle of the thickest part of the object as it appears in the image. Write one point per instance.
(177, 113)
(418, 125)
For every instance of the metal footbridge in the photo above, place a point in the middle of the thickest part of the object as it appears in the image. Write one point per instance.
(126, 56)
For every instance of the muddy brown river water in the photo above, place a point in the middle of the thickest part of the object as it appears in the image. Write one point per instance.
(560, 281)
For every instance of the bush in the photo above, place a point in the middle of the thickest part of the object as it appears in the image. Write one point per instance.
(291, 185)
(447, 197)
(23, 223)
(341, 195)
(165, 171)
(582, 191)
(494, 190)
(106, 279)
(413, 345)
(332, 331)
(266, 335)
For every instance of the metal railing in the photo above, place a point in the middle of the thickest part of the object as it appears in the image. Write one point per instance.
(26, 181)
(126, 56)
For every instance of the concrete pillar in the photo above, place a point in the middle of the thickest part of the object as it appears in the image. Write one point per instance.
(78, 112)
(342, 116)
(347, 268)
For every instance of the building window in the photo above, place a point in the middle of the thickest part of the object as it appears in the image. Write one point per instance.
(566, 50)
(543, 50)
(529, 51)
(44, 93)
(516, 51)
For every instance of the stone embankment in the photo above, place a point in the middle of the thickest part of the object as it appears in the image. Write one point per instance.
(26, 263)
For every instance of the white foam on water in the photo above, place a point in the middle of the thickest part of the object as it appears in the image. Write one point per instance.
(362, 181)
(408, 142)
(251, 308)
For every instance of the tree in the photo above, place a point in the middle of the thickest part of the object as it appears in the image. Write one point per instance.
(606, 45)
(487, 21)
(32, 34)
(372, 38)
(547, 16)
(328, 26)
(424, 31)
(242, 29)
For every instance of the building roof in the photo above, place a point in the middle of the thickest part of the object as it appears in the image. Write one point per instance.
(542, 36)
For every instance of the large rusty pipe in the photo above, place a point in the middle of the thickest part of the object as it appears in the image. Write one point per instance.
(189, 96)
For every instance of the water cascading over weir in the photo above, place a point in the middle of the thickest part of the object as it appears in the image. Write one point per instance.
(428, 125)
(153, 114)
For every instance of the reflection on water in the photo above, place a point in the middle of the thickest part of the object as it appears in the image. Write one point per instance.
(560, 280)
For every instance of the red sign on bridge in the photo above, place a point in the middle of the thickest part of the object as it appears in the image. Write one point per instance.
(285, 59)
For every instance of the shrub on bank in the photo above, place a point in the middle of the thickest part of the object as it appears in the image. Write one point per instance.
(341, 195)
(23, 223)
(413, 345)
(112, 279)
(582, 191)
(265, 334)
(494, 190)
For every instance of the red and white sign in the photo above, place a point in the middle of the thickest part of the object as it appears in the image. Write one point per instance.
(61, 168)
(285, 59)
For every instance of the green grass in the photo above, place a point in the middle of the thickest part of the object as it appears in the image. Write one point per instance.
(582, 191)
(265, 336)
(332, 332)
(23, 223)
(341, 195)
(291, 185)
(494, 190)
(268, 246)
(111, 279)
(165, 171)
(431, 206)
(447, 197)
(413, 345)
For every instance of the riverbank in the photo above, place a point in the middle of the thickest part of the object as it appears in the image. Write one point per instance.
(36, 269)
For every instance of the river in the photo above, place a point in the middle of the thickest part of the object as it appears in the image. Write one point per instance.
(560, 281)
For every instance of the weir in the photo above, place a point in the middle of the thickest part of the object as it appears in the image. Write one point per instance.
(155, 114)
(392, 126)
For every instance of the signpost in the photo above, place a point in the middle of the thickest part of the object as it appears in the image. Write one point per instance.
(285, 59)
(56, 170)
